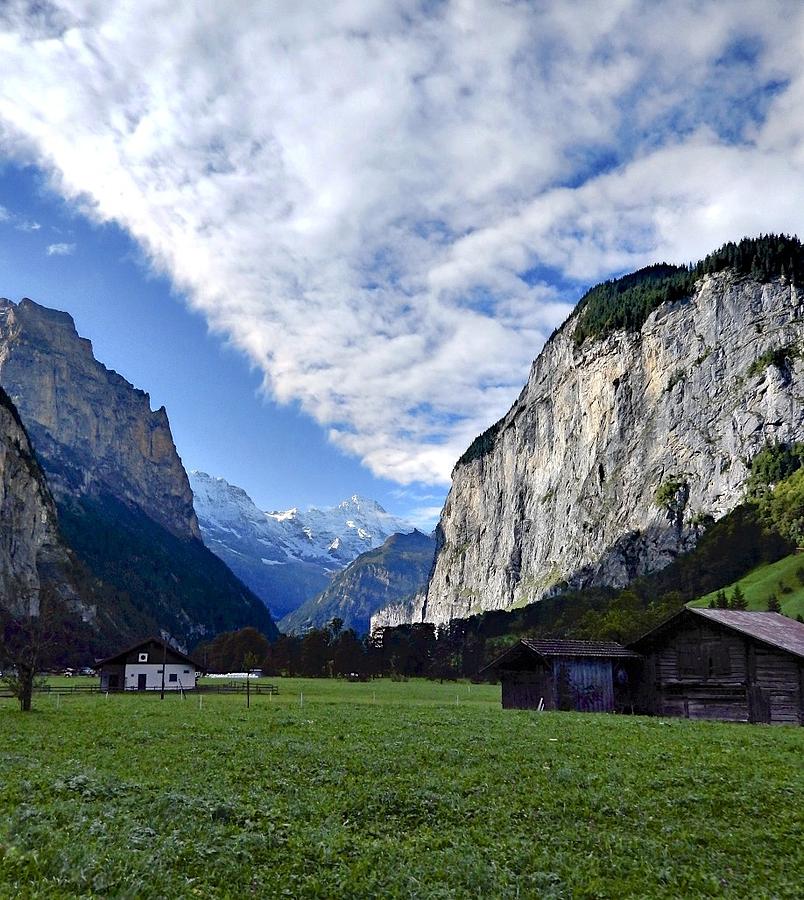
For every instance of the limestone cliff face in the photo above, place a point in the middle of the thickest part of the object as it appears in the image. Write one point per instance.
(617, 450)
(32, 552)
(92, 429)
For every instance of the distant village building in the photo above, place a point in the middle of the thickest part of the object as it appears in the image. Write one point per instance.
(588, 676)
(724, 664)
(140, 668)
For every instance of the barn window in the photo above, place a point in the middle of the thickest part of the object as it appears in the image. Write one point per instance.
(719, 660)
(143, 657)
(186, 671)
(691, 660)
(173, 677)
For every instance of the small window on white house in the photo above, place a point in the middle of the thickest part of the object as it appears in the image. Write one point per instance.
(173, 677)
(186, 671)
(143, 657)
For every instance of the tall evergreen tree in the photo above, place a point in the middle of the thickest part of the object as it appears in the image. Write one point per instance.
(738, 600)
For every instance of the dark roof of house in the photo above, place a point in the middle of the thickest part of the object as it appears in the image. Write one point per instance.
(768, 627)
(120, 656)
(566, 649)
(604, 649)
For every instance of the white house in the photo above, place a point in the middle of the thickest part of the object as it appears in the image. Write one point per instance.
(148, 666)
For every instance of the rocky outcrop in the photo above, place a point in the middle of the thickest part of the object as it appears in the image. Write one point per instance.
(392, 572)
(620, 449)
(92, 430)
(32, 552)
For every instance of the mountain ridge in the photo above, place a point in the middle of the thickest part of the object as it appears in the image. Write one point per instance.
(393, 571)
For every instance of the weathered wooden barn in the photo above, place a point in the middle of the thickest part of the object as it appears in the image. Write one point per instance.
(149, 665)
(588, 676)
(724, 664)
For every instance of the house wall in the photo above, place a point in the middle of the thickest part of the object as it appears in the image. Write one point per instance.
(524, 689)
(185, 675)
(702, 671)
(781, 678)
(578, 684)
(584, 684)
(107, 678)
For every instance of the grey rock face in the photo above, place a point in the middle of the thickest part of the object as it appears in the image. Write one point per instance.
(91, 428)
(568, 492)
(31, 549)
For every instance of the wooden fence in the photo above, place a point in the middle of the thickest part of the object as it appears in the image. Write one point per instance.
(230, 688)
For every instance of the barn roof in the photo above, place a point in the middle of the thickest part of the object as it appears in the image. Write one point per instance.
(120, 656)
(769, 627)
(604, 649)
(545, 648)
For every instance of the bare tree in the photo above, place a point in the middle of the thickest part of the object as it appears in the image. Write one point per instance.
(26, 631)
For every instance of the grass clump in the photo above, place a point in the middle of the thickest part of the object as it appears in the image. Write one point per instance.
(780, 357)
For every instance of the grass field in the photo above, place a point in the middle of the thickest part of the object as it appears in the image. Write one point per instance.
(780, 578)
(390, 790)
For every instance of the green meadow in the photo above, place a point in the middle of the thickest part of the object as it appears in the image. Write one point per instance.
(784, 579)
(390, 789)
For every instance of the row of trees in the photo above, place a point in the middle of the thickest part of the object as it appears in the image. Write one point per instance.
(419, 650)
(625, 303)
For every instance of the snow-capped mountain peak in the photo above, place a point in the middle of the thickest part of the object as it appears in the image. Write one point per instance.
(257, 544)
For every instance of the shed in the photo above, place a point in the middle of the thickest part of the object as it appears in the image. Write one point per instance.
(725, 664)
(140, 668)
(588, 676)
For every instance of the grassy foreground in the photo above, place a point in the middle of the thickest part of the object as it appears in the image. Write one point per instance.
(390, 790)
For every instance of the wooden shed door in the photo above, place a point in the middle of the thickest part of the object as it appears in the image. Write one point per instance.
(758, 705)
(142, 681)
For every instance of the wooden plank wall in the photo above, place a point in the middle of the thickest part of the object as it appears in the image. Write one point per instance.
(705, 672)
(779, 676)
(584, 684)
(524, 689)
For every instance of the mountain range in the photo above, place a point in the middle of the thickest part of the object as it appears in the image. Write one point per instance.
(287, 557)
(636, 431)
(392, 572)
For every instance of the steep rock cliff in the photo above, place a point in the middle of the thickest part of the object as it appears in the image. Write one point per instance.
(32, 552)
(619, 449)
(92, 429)
(123, 497)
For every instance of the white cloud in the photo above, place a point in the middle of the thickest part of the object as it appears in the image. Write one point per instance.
(27, 225)
(355, 193)
(60, 249)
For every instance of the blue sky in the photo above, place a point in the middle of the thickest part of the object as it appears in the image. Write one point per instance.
(142, 328)
(331, 238)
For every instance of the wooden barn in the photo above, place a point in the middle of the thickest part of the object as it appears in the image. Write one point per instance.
(724, 664)
(150, 665)
(588, 676)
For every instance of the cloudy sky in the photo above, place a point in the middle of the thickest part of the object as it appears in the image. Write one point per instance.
(378, 209)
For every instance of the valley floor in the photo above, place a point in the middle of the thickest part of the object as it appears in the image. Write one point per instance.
(389, 789)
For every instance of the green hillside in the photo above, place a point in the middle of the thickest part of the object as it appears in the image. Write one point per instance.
(784, 578)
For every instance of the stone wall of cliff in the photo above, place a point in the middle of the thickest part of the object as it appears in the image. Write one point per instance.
(616, 452)
(32, 552)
